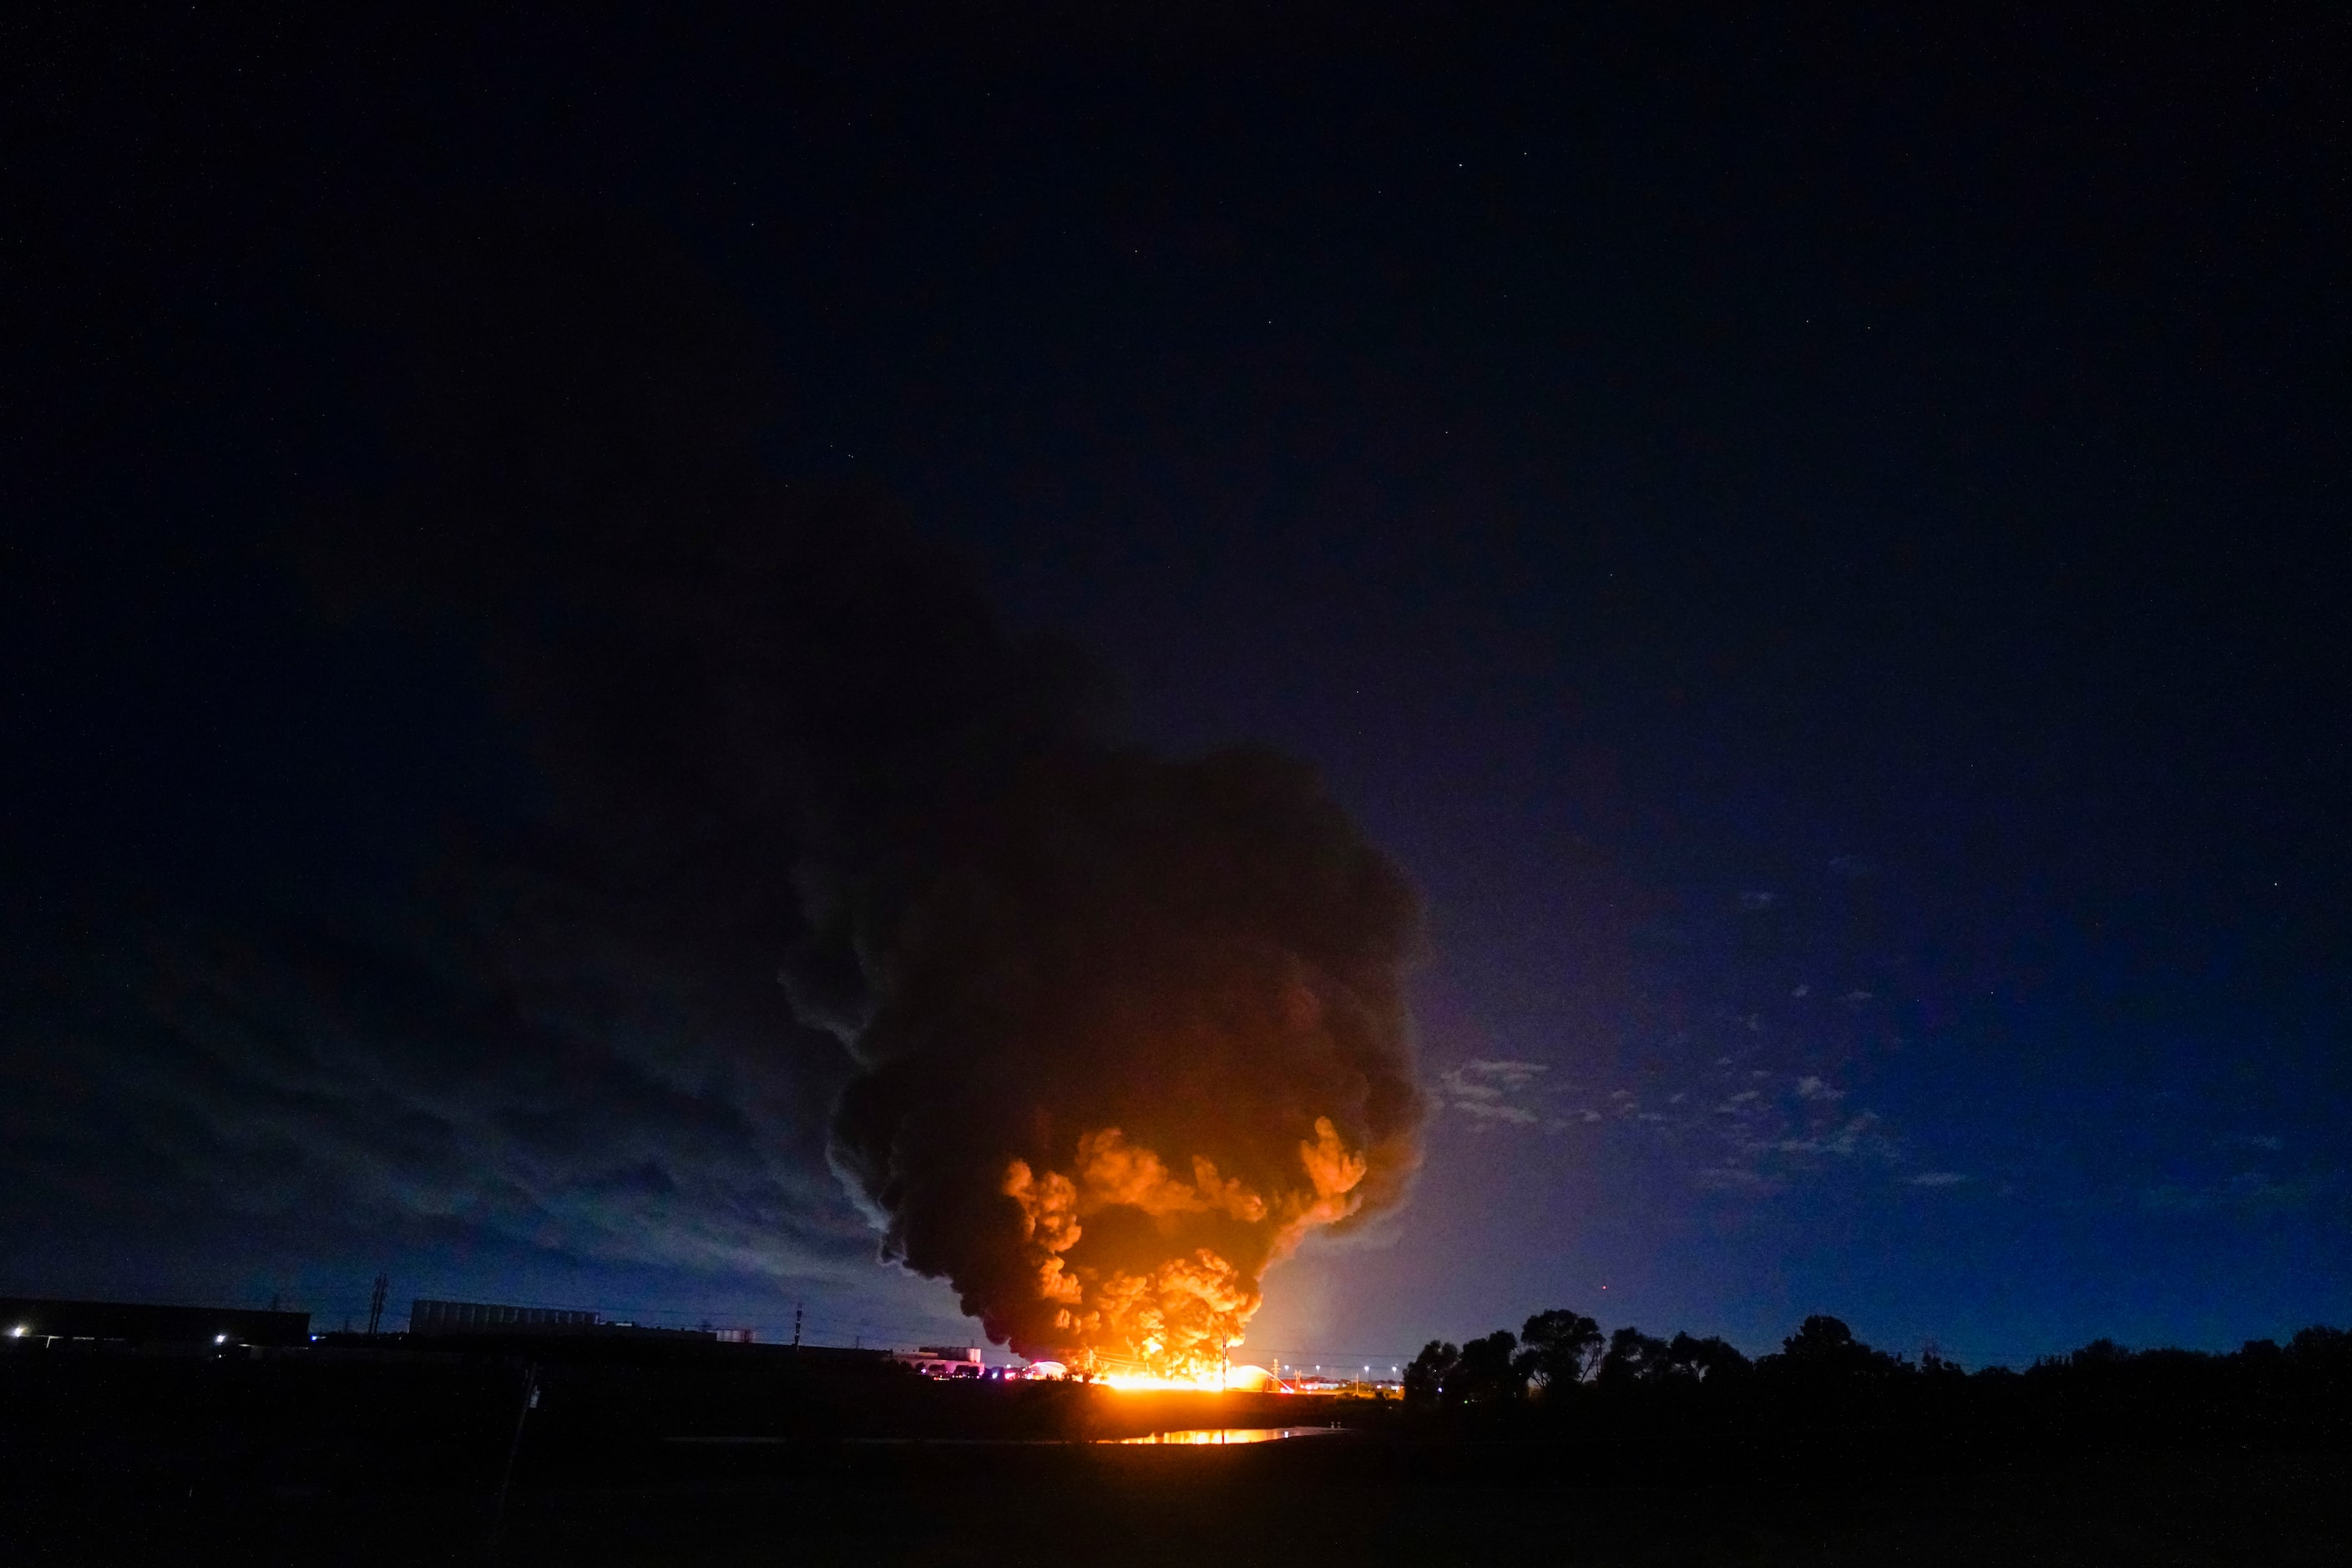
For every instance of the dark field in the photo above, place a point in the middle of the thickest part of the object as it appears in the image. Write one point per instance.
(1339, 1501)
(718, 1457)
(1343, 1502)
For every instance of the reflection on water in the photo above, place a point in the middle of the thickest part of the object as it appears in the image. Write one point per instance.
(1224, 1434)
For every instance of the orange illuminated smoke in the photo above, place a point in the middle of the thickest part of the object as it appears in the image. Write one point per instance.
(1170, 1291)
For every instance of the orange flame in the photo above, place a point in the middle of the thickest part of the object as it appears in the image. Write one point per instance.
(1172, 1322)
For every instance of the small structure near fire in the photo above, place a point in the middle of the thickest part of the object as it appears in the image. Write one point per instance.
(957, 1363)
(942, 1361)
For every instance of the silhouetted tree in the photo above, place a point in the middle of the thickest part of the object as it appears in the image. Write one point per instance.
(2318, 1347)
(1432, 1371)
(1709, 1359)
(1823, 1351)
(1490, 1372)
(1562, 1347)
(1935, 1364)
(1633, 1357)
(1482, 1372)
(2100, 1352)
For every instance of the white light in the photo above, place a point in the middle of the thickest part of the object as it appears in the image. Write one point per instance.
(17, 1332)
(220, 1339)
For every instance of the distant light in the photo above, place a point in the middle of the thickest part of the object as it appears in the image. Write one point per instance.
(220, 1339)
(17, 1332)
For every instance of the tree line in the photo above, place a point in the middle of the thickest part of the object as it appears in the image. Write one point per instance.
(1561, 1373)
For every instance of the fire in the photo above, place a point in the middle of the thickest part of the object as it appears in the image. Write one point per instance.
(1231, 1378)
(1145, 1381)
(1168, 1310)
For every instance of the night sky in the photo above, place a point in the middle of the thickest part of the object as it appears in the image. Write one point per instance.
(1817, 540)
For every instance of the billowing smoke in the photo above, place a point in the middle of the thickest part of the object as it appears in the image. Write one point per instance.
(1130, 1033)
(1124, 1029)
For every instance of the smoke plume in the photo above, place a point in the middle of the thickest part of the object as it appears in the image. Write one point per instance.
(1130, 1034)
(1122, 1028)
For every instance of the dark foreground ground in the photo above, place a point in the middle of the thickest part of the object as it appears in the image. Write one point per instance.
(637, 1455)
(1333, 1506)
(1350, 1500)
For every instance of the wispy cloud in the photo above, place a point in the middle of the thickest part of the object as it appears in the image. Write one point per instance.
(1494, 1092)
(1842, 1143)
(1495, 1111)
(2245, 1190)
(1491, 1081)
(1743, 1101)
(1730, 1178)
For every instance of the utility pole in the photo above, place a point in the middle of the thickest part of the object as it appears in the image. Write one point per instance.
(375, 1305)
(797, 1324)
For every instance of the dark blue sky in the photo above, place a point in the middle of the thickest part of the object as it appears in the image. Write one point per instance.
(1817, 543)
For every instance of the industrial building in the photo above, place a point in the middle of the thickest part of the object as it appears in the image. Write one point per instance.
(431, 1317)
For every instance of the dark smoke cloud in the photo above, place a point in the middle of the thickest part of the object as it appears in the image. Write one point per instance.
(446, 1084)
(1203, 956)
(768, 735)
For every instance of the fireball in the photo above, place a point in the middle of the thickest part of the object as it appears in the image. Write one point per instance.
(1163, 1300)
